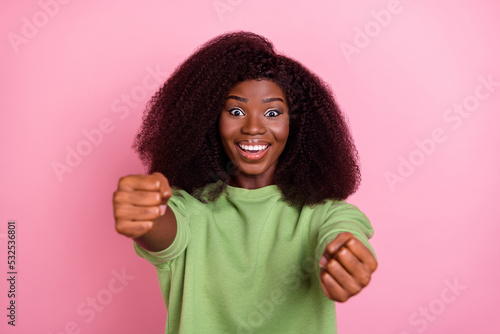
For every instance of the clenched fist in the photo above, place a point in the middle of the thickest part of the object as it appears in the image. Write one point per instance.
(346, 267)
(140, 204)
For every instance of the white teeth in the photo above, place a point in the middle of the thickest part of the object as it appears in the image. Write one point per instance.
(253, 147)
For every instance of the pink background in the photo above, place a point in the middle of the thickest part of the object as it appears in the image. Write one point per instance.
(398, 79)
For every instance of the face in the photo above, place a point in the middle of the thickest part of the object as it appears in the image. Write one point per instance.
(253, 127)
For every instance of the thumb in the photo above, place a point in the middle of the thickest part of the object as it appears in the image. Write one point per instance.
(165, 191)
(338, 242)
(333, 247)
(164, 185)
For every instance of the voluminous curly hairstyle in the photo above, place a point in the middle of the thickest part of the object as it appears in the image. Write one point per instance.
(179, 136)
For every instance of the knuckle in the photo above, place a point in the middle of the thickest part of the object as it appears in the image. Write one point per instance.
(365, 279)
(117, 196)
(354, 289)
(119, 212)
(121, 229)
(332, 266)
(343, 297)
(169, 194)
(122, 180)
(346, 234)
(342, 253)
(154, 178)
(158, 176)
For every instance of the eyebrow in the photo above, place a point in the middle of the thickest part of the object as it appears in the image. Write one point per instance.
(244, 99)
(272, 99)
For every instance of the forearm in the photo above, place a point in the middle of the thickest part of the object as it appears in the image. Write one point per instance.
(162, 234)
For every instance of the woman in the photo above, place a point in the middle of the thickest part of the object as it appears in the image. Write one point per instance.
(254, 235)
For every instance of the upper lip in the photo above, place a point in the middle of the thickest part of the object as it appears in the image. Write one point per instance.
(253, 142)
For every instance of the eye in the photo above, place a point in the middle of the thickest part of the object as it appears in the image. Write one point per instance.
(236, 112)
(272, 113)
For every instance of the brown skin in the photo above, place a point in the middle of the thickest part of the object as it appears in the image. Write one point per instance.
(141, 213)
(255, 113)
(346, 267)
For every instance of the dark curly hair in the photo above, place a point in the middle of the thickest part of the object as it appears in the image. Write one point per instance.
(179, 136)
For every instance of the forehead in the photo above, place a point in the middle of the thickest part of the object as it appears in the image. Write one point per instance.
(257, 89)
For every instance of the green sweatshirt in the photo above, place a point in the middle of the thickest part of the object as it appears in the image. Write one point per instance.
(249, 263)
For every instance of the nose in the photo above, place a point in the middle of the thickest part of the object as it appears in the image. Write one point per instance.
(253, 125)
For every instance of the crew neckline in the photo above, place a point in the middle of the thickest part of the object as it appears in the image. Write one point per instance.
(252, 193)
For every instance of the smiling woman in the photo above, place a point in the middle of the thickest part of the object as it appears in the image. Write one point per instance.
(188, 108)
(253, 128)
(269, 246)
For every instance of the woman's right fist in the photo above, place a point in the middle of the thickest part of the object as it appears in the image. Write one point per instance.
(138, 201)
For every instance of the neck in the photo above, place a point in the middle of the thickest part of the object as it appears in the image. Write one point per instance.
(251, 181)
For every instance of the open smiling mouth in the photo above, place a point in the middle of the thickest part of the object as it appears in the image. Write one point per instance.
(253, 152)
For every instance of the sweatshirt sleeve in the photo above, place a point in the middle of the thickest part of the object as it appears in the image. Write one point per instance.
(179, 206)
(343, 217)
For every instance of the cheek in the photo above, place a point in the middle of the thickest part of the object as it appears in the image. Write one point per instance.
(225, 135)
(223, 129)
(282, 131)
(227, 127)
